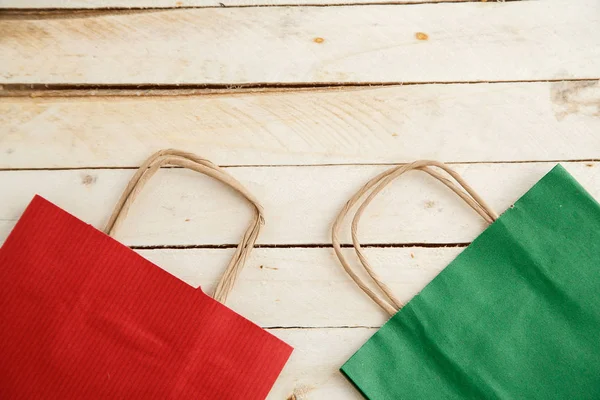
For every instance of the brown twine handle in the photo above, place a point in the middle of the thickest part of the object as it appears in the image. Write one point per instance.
(190, 161)
(376, 185)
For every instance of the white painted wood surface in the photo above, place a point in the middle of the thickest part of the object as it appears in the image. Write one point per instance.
(76, 145)
(462, 122)
(293, 287)
(312, 372)
(180, 207)
(529, 40)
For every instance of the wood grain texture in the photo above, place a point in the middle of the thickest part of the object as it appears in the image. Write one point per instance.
(313, 370)
(293, 284)
(312, 373)
(530, 40)
(474, 122)
(180, 207)
(137, 4)
(295, 287)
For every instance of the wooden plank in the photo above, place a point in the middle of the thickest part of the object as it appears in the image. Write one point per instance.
(306, 287)
(386, 43)
(313, 370)
(180, 207)
(475, 122)
(137, 4)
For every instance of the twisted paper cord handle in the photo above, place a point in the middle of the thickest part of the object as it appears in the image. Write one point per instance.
(389, 302)
(171, 157)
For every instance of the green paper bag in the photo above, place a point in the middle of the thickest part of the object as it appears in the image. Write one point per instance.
(515, 316)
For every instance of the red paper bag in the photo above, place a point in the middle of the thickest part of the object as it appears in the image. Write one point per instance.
(85, 317)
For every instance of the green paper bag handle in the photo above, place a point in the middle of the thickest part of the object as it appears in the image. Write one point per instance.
(191, 161)
(391, 305)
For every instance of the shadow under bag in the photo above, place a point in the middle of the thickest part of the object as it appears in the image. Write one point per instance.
(85, 317)
(515, 316)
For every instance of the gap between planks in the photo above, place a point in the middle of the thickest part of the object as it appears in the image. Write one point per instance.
(38, 90)
(475, 162)
(276, 328)
(303, 246)
(104, 10)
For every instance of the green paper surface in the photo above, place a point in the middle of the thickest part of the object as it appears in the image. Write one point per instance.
(515, 316)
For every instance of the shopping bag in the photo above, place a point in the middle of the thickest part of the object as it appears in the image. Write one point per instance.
(85, 317)
(515, 316)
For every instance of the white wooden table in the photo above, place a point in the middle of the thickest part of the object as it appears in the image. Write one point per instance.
(303, 104)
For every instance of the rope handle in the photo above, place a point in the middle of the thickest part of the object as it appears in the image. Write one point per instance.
(373, 187)
(171, 157)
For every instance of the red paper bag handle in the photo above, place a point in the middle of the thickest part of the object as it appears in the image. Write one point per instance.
(187, 160)
(376, 185)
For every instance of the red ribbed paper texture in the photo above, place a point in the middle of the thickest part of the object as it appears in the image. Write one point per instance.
(84, 317)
